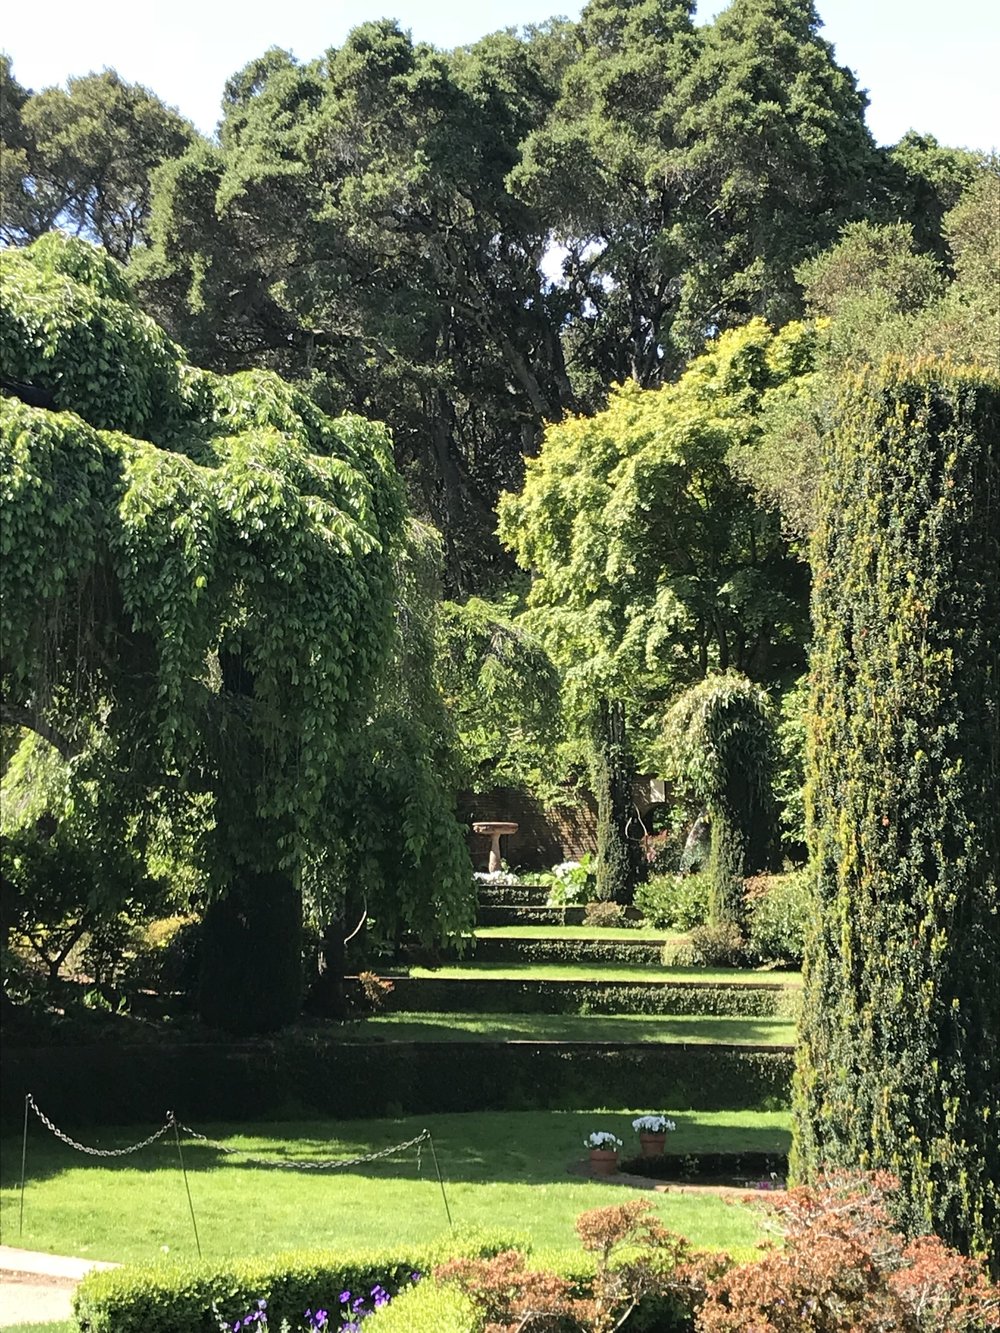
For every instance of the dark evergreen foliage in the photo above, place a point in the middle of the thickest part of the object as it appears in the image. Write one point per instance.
(899, 1065)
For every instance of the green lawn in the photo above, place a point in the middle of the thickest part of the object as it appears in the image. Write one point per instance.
(58, 1327)
(575, 933)
(501, 1170)
(603, 972)
(571, 1027)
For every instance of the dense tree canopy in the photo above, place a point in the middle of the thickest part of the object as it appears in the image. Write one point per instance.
(201, 567)
(81, 158)
(652, 561)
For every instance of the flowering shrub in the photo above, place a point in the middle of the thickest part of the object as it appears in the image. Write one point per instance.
(845, 1268)
(653, 1124)
(602, 1138)
(352, 1310)
(572, 882)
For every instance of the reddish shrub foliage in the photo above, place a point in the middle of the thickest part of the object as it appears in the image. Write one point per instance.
(845, 1268)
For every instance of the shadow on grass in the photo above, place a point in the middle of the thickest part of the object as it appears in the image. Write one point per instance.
(569, 1027)
(533, 1147)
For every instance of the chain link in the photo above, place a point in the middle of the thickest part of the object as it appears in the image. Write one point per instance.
(98, 1152)
(328, 1164)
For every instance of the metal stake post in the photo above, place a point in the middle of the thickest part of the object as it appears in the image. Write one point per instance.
(177, 1140)
(430, 1140)
(24, 1153)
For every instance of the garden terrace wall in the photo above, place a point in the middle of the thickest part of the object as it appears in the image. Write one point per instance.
(288, 1078)
(742, 1000)
(545, 835)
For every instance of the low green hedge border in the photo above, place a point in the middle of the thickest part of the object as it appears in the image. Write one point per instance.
(743, 1000)
(503, 895)
(287, 1078)
(530, 916)
(637, 953)
(429, 1307)
(178, 1298)
(747, 1165)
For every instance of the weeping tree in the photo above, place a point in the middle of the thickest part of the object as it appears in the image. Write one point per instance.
(201, 568)
(395, 857)
(502, 691)
(899, 1063)
(720, 734)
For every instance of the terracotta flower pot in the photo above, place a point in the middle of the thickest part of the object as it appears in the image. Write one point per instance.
(603, 1161)
(651, 1145)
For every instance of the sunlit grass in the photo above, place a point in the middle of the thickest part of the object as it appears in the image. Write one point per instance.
(646, 933)
(506, 1170)
(622, 1028)
(606, 972)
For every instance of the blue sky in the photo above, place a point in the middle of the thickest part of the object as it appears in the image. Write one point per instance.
(926, 66)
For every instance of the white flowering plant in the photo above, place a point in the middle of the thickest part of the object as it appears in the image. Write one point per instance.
(602, 1138)
(653, 1124)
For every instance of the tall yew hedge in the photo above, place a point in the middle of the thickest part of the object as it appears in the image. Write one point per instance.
(898, 1065)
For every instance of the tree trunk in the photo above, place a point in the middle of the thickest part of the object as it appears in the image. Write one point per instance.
(613, 772)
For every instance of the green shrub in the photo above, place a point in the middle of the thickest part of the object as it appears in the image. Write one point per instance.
(571, 882)
(429, 1307)
(721, 945)
(779, 909)
(169, 1298)
(604, 914)
(679, 901)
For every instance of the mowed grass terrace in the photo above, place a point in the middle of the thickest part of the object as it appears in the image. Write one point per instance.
(507, 1170)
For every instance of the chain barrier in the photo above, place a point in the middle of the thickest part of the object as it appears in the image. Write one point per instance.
(327, 1164)
(98, 1152)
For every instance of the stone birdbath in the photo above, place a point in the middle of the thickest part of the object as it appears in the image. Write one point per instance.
(494, 829)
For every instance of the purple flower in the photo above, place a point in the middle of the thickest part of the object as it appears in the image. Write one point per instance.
(345, 1296)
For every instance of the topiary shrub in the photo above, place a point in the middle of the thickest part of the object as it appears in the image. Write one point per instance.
(899, 1059)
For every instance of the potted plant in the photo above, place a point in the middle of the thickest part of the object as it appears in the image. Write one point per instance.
(652, 1131)
(603, 1152)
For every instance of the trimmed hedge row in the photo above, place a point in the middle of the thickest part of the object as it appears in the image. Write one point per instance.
(100, 1085)
(167, 1298)
(707, 1165)
(429, 1307)
(634, 953)
(529, 916)
(509, 895)
(749, 1000)
(179, 1297)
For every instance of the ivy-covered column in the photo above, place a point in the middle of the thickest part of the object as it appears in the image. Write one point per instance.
(899, 1062)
